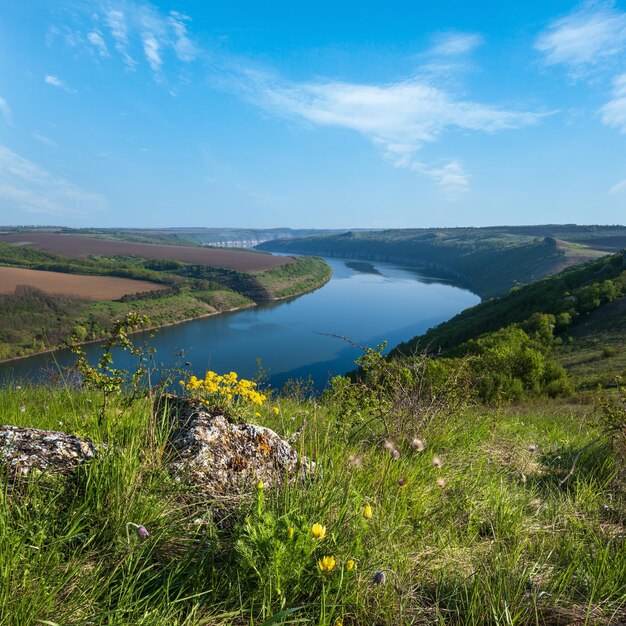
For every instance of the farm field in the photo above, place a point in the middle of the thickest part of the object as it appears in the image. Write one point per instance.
(87, 287)
(79, 247)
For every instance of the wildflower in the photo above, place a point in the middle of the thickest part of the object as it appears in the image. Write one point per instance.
(389, 445)
(441, 483)
(257, 414)
(338, 622)
(379, 578)
(418, 445)
(290, 532)
(141, 531)
(395, 453)
(260, 485)
(437, 462)
(533, 448)
(402, 482)
(367, 511)
(350, 564)
(276, 410)
(318, 531)
(327, 564)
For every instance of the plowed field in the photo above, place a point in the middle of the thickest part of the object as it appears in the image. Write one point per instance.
(76, 246)
(89, 287)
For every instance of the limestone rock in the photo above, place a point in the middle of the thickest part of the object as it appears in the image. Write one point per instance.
(23, 450)
(224, 458)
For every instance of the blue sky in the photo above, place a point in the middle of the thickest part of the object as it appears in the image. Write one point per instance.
(312, 114)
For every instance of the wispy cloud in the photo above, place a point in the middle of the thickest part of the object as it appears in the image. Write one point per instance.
(43, 139)
(614, 112)
(133, 29)
(618, 188)
(55, 81)
(97, 41)
(454, 44)
(24, 186)
(5, 111)
(398, 118)
(591, 36)
(591, 43)
(116, 21)
(451, 177)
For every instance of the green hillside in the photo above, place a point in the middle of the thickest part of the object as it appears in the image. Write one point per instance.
(576, 318)
(487, 260)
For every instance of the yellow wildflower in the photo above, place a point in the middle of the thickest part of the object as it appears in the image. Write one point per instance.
(318, 531)
(338, 622)
(367, 511)
(290, 532)
(260, 485)
(276, 410)
(327, 564)
(350, 564)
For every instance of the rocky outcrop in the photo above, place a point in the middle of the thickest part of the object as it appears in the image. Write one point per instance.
(206, 450)
(23, 450)
(221, 457)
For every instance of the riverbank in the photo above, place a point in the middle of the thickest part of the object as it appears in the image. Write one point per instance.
(310, 286)
(35, 321)
(488, 261)
(292, 336)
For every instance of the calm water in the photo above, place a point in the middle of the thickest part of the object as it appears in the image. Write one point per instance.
(365, 302)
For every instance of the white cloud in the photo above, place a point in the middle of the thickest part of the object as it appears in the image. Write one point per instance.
(5, 111)
(131, 23)
(116, 21)
(451, 177)
(398, 118)
(618, 188)
(151, 50)
(24, 186)
(453, 44)
(613, 113)
(55, 81)
(592, 35)
(97, 41)
(185, 49)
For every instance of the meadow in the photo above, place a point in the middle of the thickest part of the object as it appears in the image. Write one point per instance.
(440, 511)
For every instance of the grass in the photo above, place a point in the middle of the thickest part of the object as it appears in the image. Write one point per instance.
(500, 543)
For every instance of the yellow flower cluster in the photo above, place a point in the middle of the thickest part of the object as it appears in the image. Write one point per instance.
(327, 564)
(226, 387)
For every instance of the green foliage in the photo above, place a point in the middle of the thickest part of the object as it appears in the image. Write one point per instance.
(508, 364)
(568, 296)
(105, 378)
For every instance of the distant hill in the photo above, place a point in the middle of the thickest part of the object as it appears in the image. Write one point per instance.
(487, 260)
(190, 236)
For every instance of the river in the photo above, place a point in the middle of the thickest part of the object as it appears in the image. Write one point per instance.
(365, 302)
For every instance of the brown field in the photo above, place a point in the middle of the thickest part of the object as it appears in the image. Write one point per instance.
(76, 246)
(88, 287)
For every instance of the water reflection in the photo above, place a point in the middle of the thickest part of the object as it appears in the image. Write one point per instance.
(367, 302)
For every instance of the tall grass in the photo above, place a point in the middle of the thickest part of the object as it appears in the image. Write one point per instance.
(490, 537)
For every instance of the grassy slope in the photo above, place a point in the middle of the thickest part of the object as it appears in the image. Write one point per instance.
(593, 348)
(500, 543)
(487, 260)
